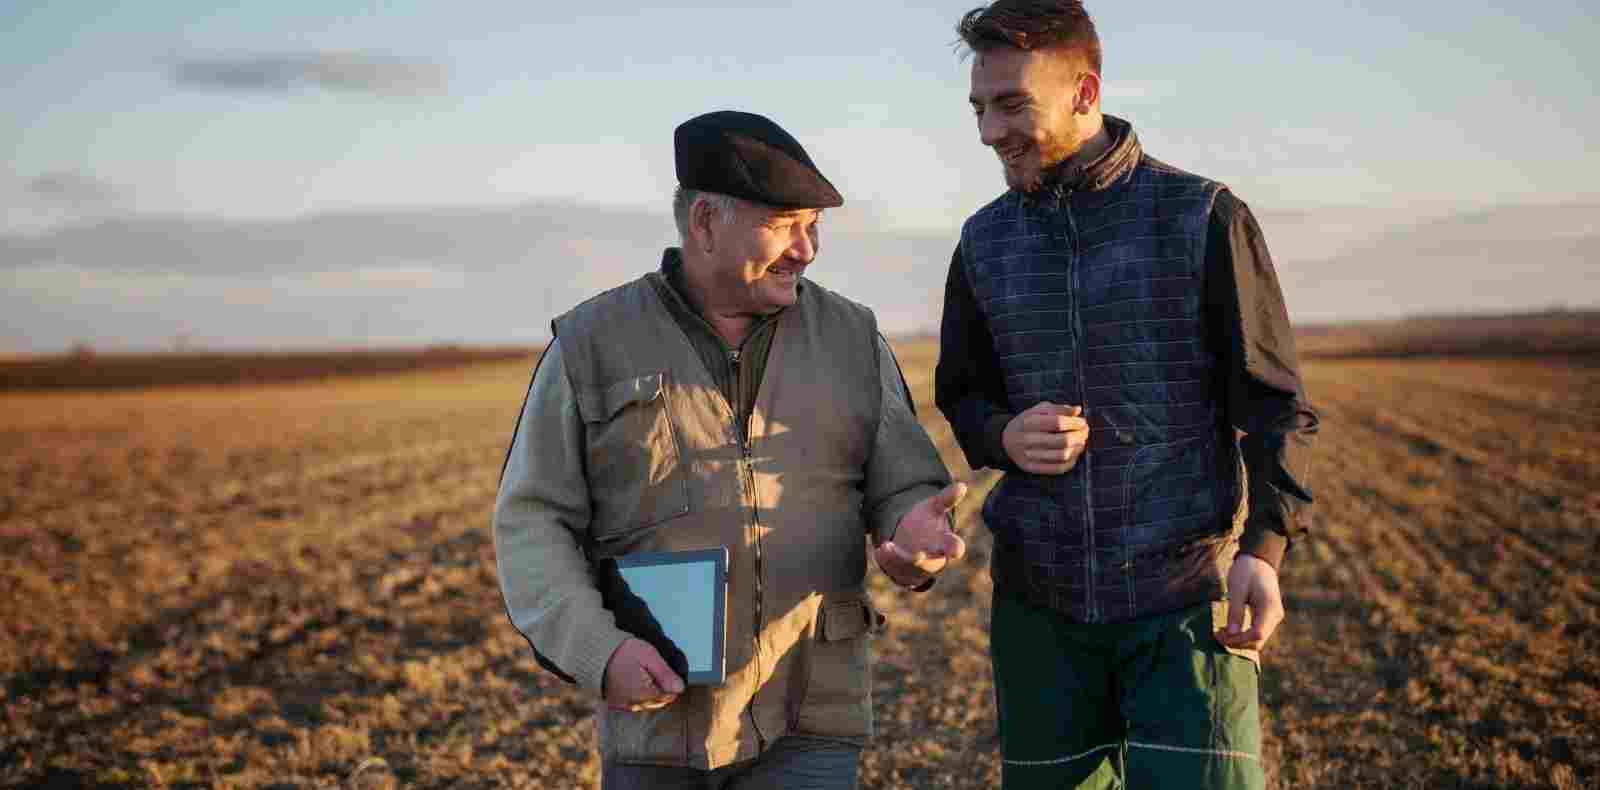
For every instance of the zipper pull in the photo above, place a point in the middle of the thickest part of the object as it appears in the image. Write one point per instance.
(744, 439)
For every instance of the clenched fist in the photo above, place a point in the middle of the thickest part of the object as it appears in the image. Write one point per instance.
(1047, 439)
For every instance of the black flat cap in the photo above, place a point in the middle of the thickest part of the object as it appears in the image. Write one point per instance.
(748, 156)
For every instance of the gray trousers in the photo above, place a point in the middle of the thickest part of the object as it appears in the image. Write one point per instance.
(795, 762)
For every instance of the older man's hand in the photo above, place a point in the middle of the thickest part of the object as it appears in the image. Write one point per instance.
(637, 678)
(923, 542)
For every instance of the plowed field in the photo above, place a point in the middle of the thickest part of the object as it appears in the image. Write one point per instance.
(293, 585)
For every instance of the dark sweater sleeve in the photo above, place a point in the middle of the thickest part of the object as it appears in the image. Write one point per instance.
(968, 386)
(1265, 397)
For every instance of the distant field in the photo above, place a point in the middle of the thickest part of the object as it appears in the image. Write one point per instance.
(1569, 334)
(87, 370)
(1573, 334)
(293, 584)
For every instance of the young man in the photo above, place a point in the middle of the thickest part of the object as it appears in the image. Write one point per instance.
(1109, 323)
(724, 400)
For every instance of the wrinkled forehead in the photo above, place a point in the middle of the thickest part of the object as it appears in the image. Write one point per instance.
(773, 213)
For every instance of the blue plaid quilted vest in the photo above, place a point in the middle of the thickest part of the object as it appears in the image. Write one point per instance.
(1092, 290)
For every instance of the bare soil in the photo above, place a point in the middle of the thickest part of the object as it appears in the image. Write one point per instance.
(84, 368)
(293, 585)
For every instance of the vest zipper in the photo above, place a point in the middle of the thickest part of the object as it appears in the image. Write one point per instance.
(742, 425)
(1078, 339)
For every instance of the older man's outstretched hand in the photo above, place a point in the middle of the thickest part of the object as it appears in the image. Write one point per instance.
(923, 543)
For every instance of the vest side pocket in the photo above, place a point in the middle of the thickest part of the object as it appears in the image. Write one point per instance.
(838, 689)
(636, 478)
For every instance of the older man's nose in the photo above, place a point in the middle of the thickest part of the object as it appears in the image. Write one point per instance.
(804, 246)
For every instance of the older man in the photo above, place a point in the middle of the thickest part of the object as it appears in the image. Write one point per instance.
(724, 401)
(1110, 323)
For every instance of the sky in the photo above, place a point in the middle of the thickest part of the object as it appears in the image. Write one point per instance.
(1365, 135)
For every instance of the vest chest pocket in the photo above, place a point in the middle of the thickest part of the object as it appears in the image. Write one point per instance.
(635, 471)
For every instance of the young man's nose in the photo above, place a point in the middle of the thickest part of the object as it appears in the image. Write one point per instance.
(991, 129)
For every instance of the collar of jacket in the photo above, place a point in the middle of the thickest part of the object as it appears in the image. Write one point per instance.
(670, 275)
(1117, 161)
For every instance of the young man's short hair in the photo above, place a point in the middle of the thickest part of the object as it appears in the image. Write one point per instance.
(1032, 24)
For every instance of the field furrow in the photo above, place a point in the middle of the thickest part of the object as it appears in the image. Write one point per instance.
(1495, 577)
(294, 585)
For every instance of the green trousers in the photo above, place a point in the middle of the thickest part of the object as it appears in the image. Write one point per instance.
(1151, 703)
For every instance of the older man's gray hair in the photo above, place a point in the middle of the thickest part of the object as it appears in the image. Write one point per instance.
(683, 199)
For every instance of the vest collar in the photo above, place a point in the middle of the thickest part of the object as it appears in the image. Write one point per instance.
(674, 292)
(1116, 161)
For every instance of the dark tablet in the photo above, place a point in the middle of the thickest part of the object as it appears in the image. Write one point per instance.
(677, 601)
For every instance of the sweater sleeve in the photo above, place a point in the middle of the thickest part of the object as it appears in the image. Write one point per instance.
(1266, 398)
(968, 385)
(905, 467)
(540, 517)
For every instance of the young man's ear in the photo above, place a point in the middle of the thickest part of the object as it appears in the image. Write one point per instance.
(1088, 94)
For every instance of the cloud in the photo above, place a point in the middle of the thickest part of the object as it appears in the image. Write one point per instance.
(468, 239)
(1502, 259)
(37, 205)
(398, 276)
(500, 273)
(349, 72)
(74, 189)
(495, 274)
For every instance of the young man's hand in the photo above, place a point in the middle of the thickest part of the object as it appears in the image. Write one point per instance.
(923, 542)
(1047, 439)
(1252, 585)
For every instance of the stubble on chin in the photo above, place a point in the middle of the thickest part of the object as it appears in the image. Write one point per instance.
(1025, 183)
(786, 295)
(769, 298)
